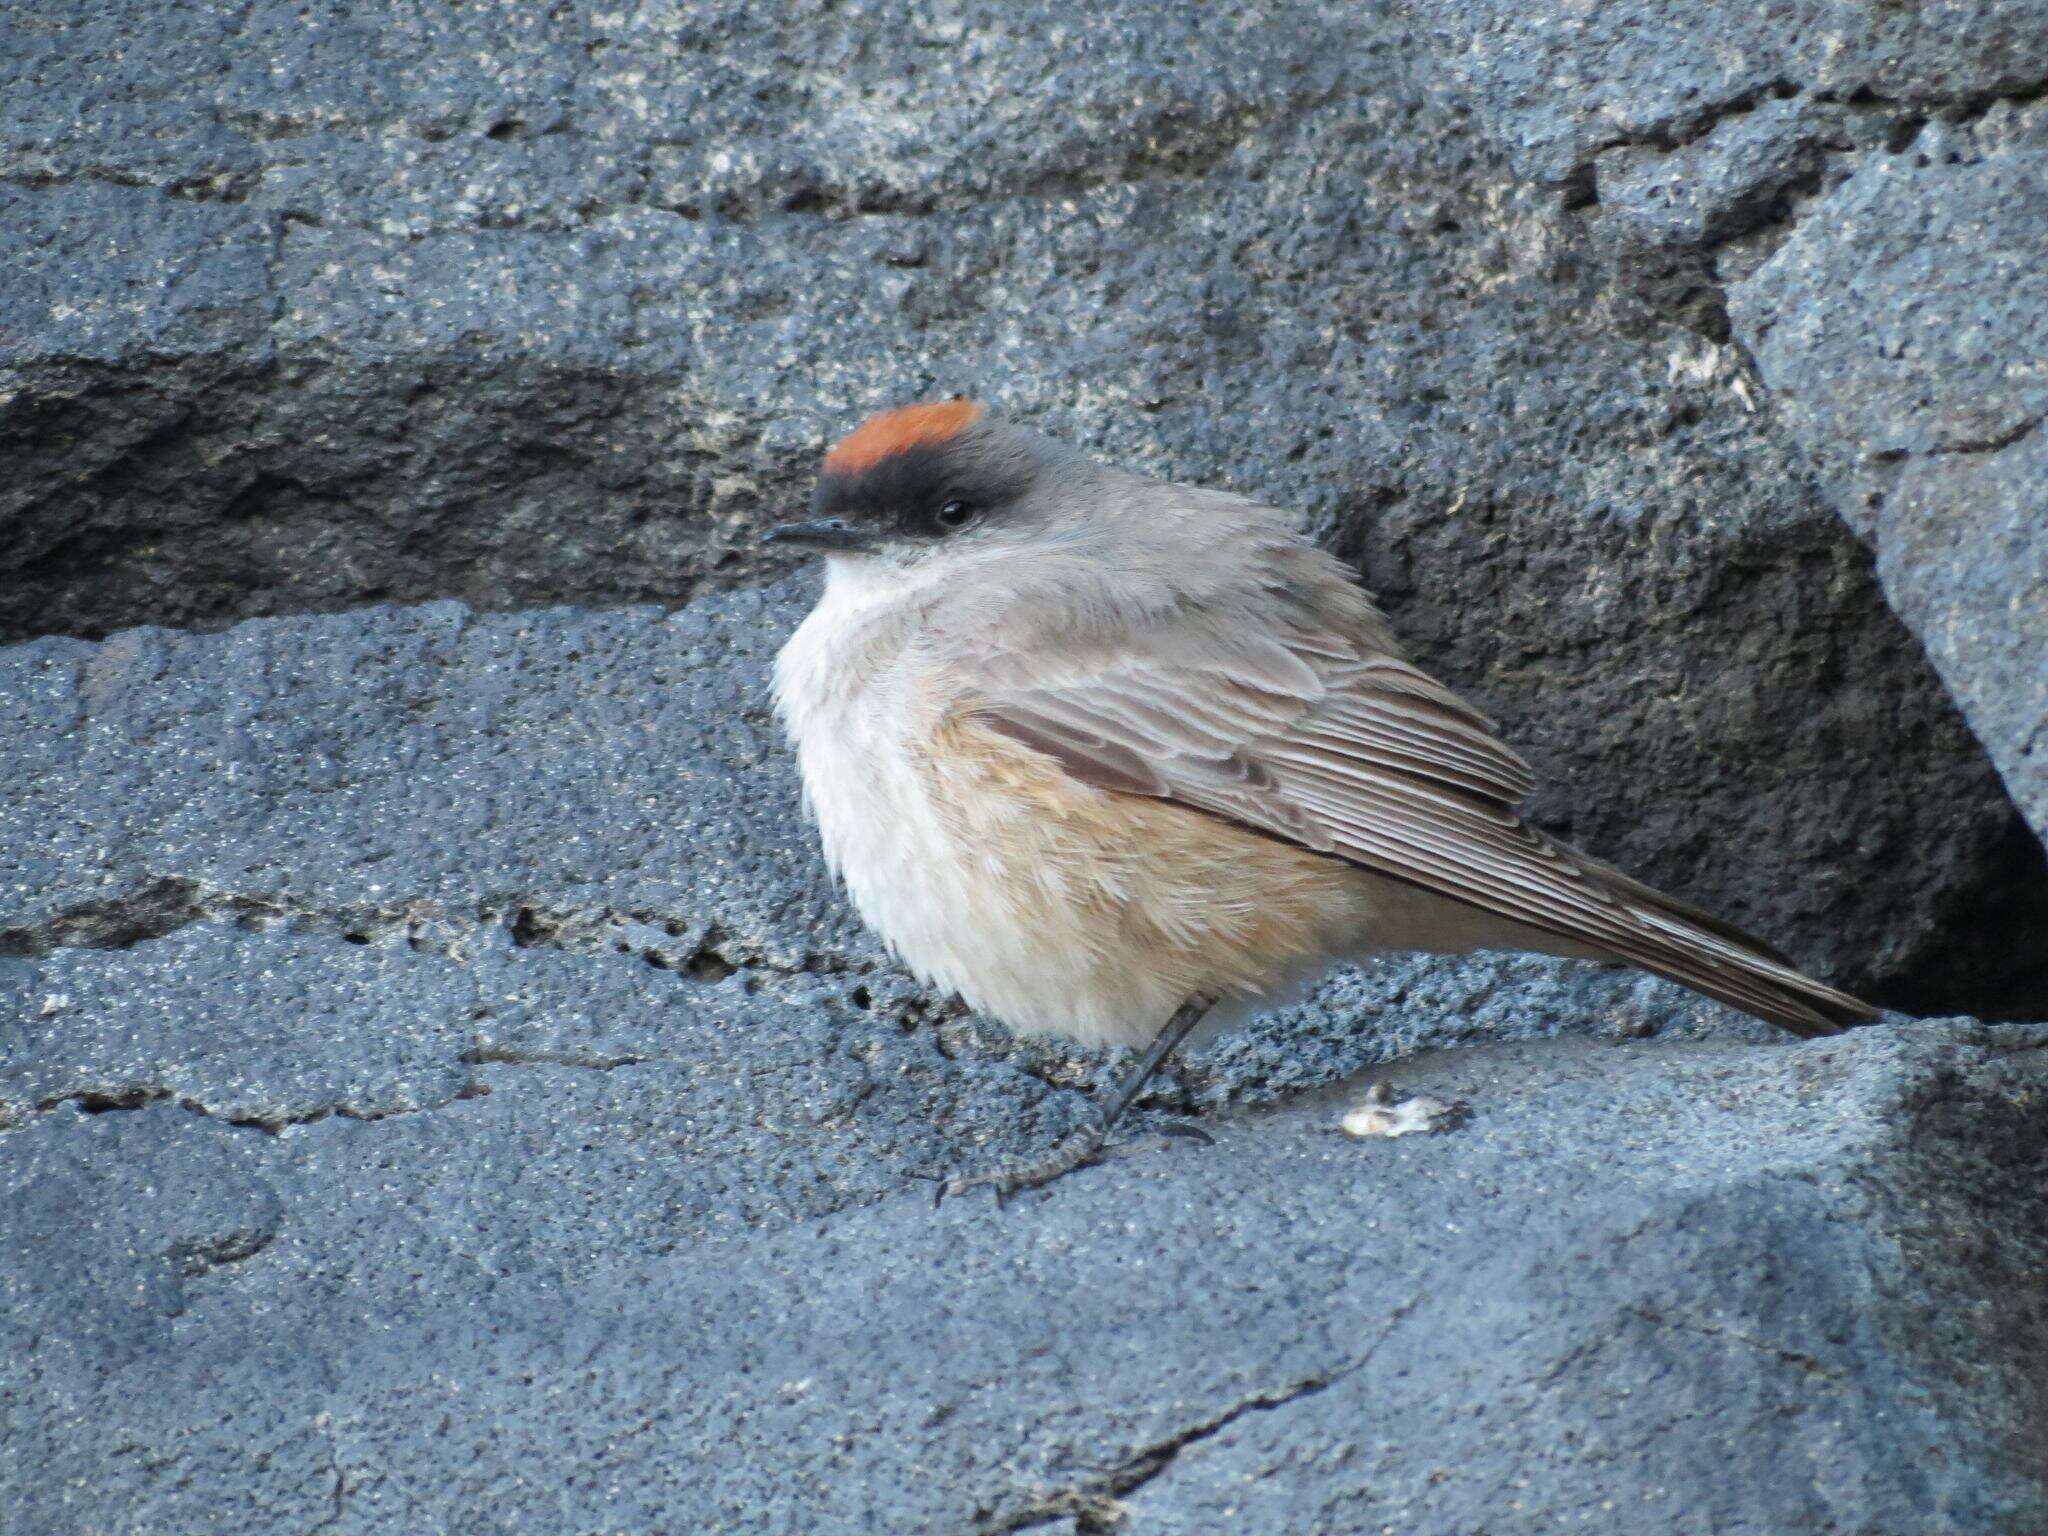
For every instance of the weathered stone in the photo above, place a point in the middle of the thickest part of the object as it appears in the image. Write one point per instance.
(1891, 292)
(409, 764)
(1904, 324)
(1556, 86)
(1715, 1284)
(438, 1054)
(439, 1087)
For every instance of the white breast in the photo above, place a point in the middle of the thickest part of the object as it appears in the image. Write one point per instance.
(1043, 902)
(861, 709)
(852, 708)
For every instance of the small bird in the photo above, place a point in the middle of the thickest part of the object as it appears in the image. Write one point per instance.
(1101, 754)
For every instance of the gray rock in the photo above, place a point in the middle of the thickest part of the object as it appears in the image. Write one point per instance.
(255, 1030)
(436, 1056)
(439, 1087)
(1903, 323)
(522, 307)
(99, 275)
(413, 766)
(1730, 180)
(278, 1024)
(1558, 85)
(1882, 270)
(1964, 559)
(1719, 1283)
(408, 768)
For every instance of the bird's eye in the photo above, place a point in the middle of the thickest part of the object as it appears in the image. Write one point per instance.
(955, 514)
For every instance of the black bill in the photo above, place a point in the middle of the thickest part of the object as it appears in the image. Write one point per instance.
(825, 533)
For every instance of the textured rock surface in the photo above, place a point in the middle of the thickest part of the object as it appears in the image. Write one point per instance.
(410, 764)
(1560, 86)
(1859, 198)
(514, 306)
(439, 1088)
(1905, 325)
(648, 1253)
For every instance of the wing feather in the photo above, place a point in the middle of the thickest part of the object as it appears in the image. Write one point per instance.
(1327, 740)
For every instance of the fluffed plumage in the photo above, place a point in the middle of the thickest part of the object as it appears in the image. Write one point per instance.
(1114, 743)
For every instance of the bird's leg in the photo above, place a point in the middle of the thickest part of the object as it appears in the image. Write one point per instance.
(1164, 1044)
(1085, 1146)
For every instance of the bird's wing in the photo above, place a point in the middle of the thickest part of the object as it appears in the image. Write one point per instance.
(1331, 741)
(1311, 737)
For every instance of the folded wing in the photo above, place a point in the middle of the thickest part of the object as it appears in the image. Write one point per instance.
(1333, 742)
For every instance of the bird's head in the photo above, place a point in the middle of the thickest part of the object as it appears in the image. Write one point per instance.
(928, 483)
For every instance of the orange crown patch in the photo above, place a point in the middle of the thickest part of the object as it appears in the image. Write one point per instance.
(893, 431)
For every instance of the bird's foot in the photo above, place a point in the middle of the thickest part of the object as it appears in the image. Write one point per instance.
(1077, 1151)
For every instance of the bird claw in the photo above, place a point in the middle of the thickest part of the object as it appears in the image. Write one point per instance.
(938, 1182)
(1077, 1151)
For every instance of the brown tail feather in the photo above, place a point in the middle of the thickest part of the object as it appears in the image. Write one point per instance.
(1684, 944)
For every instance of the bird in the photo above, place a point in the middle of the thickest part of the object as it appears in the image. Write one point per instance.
(1108, 756)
